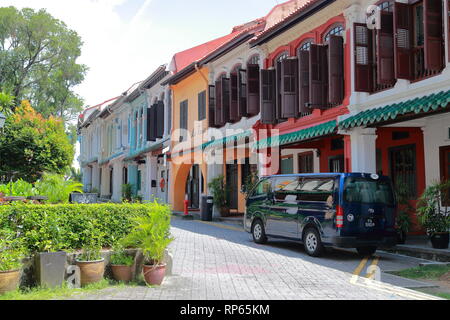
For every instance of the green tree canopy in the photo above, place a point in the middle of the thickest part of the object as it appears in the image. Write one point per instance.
(32, 144)
(38, 56)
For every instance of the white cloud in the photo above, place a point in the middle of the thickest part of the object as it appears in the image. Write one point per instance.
(117, 52)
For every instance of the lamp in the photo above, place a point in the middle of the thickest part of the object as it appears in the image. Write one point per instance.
(2, 120)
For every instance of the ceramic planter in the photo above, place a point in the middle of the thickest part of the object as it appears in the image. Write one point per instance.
(91, 271)
(9, 280)
(154, 275)
(440, 240)
(122, 273)
(401, 237)
(50, 268)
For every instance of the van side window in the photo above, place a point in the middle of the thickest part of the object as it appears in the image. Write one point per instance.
(285, 188)
(264, 187)
(317, 189)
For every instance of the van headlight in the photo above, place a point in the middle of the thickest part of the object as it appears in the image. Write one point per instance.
(350, 218)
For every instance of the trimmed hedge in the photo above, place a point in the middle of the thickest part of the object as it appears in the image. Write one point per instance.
(70, 226)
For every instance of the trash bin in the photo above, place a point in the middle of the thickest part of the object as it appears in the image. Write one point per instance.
(206, 208)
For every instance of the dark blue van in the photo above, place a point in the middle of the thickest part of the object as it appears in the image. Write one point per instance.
(348, 210)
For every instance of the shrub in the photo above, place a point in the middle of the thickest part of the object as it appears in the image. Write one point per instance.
(120, 257)
(57, 188)
(71, 226)
(11, 251)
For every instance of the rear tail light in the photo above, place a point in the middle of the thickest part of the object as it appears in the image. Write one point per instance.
(339, 217)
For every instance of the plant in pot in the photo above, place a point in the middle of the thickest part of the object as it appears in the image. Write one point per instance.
(403, 220)
(11, 255)
(434, 214)
(50, 264)
(121, 264)
(250, 182)
(220, 193)
(91, 262)
(151, 234)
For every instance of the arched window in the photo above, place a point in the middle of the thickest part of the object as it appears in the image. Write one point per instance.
(336, 30)
(387, 6)
(282, 56)
(306, 45)
(253, 59)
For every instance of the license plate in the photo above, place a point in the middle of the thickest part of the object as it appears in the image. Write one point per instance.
(370, 223)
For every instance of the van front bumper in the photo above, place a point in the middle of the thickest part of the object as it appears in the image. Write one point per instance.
(354, 242)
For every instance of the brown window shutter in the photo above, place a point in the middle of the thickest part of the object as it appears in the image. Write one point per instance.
(318, 71)
(278, 97)
(150, 135)
(225, 100)
(434, 40)
(385, 50)
(234, 98)
(211, 106)
(160, 119)
(363, 67)
(268, 94)
(289, 88)
(403, 37)
(303, 62)
(336, 70)
(242, 93)
(253, 89)
(219, 113)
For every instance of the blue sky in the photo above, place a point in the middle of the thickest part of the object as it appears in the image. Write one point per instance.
(125, 40)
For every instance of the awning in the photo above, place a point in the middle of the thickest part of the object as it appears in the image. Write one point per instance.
(320, 130)
(230, 139)
(417, 106)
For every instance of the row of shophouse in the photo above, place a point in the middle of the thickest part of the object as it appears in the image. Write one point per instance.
(311, 87)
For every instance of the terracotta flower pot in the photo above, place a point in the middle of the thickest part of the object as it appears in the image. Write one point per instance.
(154, 275)
(91, 271)
(122, 273)
(9, 280)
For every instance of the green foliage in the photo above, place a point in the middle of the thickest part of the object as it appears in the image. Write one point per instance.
(250, 182)
(57, 188)
(6, 103)
(427, 272)
(151, 233)
(405, 208)
(31, 145)
(127, 192)
(219, 189)
(19, 188)
(434, 217)
(38, 55)
(75, 174)
(72, 226)
(120, 257)
(11, 251)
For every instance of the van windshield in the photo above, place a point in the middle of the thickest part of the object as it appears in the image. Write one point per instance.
(368, 191)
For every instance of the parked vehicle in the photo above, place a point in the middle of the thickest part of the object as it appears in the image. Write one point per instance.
(348, 210)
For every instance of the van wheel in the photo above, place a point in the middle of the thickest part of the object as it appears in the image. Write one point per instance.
(312, 243)
(258, 232)
(366, 251)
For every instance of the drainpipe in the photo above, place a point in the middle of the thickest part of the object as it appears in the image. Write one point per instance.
(203, 76)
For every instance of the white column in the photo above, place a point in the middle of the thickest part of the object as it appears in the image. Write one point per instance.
(117, 181)
(363, 148)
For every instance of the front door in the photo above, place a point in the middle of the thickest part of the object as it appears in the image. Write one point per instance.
(403, 168)
(232, 184)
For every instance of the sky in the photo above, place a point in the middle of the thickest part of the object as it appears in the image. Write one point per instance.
(126, 40)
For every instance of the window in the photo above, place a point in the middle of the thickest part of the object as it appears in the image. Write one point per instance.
(184, 118)
(305, 46)
(287, 165)
(253, 95)
(234, 96)
(306, 163)
(317, 189)
(263, 188)
(336, 164)
(403, 168)
(386, 6)
(359, 190)
(253, 60)
(202, 106)
(286, 188)
(334, 31)
(337, 144)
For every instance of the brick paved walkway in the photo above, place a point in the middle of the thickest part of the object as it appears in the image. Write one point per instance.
(212, 262)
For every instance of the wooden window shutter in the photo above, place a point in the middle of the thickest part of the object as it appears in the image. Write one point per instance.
(363, 67)
(336, 70)
(268, 95)
(211, 106)
(278, 98)
(160, 119)
(202, 106)
(434, 40)
(242, 93)
(403, 37)
(303, 64)
(234, 98)
(318, 70)
(184, 115)
(151, 123)
(225, 100)
(253, 89)
(385, 50)
(289, 88)
(218, 114)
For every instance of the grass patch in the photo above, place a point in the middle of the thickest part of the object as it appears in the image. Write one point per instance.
(426, 272)
(61, 293)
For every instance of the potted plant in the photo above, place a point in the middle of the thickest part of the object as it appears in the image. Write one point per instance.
(91, 263)
(11, 255)
(127, 192)
(433, 215)
(50, 264)
(219, 191)
(403, 220)
(250, 182)
(121, 264)
(151, 234)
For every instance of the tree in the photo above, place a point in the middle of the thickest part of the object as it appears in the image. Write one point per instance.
(38, 56)
(32, 145)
